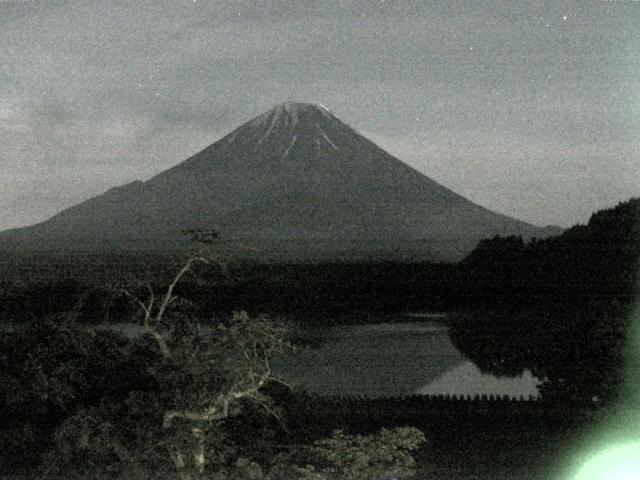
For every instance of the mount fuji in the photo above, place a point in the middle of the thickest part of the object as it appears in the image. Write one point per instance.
(293, 183)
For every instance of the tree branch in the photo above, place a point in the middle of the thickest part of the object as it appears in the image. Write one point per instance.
(168, 296)
(220, 409)
(151, 321)
(146, 323)
(199, 454)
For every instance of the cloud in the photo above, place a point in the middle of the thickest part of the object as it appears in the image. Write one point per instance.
(130, 88)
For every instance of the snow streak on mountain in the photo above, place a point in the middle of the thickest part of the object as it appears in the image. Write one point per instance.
(295, 183)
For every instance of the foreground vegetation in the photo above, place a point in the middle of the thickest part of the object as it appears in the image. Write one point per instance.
(174, 403)
(85, 402)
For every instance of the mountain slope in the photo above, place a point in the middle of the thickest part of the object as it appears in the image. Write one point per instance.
(292, 181)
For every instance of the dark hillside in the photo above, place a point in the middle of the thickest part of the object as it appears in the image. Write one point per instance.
(559, 307)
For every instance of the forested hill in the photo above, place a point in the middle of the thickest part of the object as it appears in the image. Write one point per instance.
(560, 307)
(557, 306)
(585, 263)
(599, 259)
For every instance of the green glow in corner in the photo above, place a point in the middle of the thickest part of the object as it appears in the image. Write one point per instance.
(618, 463)
(617, 454)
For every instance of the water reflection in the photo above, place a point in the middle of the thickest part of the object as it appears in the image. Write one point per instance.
(467, 379)
(387, 359)
(394, 359)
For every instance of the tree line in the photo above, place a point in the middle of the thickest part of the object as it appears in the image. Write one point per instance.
(175, 402)
(82, 400)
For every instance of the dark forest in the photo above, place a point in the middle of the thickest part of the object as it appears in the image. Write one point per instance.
(82, 402)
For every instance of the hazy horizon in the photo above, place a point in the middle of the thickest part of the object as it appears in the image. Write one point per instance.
(530, 110)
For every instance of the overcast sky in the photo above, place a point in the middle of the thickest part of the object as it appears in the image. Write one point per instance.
(530, 108)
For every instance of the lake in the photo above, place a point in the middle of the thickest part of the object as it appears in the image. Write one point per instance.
(397, 358)
(393, 359)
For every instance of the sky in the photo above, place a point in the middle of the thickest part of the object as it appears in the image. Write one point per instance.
(530, 108)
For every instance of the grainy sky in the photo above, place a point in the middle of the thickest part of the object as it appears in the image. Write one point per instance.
(530, 108)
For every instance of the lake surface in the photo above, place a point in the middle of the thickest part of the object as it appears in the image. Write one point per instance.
(393, 359)
(388, 359)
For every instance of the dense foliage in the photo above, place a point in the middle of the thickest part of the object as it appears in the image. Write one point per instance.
(597, 261)
(86, 401)
(334, 292)
(559, 307)
(63, 387)
(594, 262)
(174, 402)
(382, 456)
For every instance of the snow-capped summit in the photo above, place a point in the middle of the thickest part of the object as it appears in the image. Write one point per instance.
(295, 181)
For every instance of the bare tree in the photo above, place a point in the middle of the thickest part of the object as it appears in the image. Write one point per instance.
(222, 368)
(154, 310)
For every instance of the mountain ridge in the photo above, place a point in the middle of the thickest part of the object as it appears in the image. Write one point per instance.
(296, 173)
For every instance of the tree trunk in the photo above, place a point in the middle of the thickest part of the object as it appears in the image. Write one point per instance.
(178, 462)
(199, 458)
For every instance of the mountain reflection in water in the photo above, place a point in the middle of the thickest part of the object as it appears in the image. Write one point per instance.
(393, 359)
